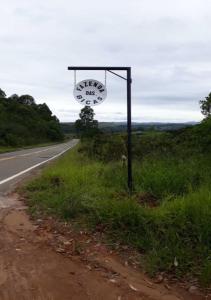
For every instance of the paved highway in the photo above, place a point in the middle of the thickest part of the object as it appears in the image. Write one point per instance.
(14, 166)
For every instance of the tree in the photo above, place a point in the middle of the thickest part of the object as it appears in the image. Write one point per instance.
(26, 99)
(87, 115)
(14, 97)
(44, 111)
(205, 106)
(2, 94)
(86, 126)
(23, 122)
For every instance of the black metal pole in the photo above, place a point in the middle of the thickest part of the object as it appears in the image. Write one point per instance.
(129, 150)
(129, 81)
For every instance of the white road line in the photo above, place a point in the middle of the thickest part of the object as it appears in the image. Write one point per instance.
(35, 166)
(27, 154)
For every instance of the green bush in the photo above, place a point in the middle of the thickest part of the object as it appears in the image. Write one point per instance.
(104, 147)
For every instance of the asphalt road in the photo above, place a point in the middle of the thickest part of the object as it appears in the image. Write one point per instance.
(15, 166)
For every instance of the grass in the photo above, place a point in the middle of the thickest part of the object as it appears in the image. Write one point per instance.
(177, 229)
(4, 149)
(169, 177)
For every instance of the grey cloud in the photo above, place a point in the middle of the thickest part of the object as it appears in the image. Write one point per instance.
(167, 44)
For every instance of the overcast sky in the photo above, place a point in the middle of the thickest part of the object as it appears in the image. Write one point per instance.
(166, 42)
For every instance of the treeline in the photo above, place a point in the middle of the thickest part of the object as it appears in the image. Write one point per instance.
(23, 122)
(179, 141)
(183, 142)
(138, 128)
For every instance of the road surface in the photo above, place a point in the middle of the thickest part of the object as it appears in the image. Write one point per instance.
(14, 166)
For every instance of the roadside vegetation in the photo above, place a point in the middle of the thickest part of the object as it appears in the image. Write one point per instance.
(168, 216)
(23, 122)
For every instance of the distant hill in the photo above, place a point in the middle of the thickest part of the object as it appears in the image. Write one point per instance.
(68, 127)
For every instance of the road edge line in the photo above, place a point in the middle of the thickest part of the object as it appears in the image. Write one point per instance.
(35, 166)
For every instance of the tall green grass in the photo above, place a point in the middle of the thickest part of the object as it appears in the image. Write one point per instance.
(167, 177)
(178, 229)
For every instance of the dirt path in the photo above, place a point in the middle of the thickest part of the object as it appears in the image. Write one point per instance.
(34, 266)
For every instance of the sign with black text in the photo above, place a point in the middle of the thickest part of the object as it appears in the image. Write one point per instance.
(90, 92)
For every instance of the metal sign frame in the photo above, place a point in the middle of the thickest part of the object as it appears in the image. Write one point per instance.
(129, 82)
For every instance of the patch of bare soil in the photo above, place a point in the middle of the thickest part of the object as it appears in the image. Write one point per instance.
(147, 199)
(45, 259)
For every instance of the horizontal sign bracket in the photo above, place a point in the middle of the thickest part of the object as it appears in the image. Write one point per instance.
(109, 69)
(99, 68)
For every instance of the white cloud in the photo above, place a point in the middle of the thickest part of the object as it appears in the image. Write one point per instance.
(167, 43)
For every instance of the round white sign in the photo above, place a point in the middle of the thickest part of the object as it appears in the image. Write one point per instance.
(90, 92)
